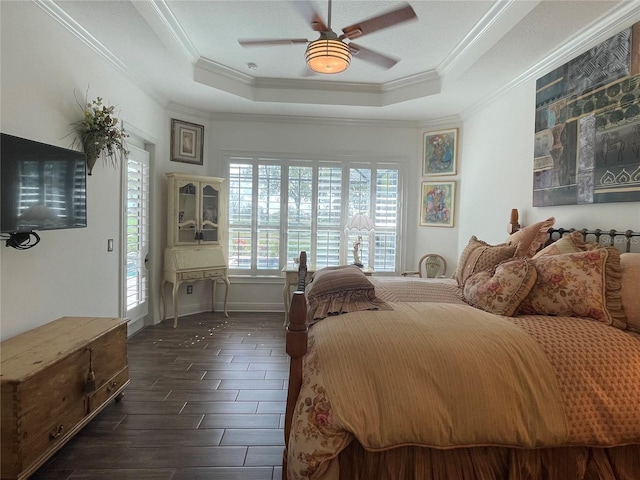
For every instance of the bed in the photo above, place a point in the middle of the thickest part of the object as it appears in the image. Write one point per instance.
(508, 370)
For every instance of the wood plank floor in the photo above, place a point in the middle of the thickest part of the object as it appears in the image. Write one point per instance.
(206, 401)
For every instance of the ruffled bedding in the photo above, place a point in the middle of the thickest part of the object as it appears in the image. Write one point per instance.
(448, 375)
(338, 290)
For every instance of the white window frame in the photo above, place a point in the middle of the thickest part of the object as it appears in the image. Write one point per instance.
(285, 161)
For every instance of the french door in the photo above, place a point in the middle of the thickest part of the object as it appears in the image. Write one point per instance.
(136, 234)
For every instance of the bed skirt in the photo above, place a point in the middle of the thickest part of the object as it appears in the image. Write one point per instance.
(491, 463)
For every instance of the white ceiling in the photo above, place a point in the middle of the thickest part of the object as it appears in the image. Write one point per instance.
(456, 56)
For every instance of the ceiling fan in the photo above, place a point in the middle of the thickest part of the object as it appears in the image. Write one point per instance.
(330, 53)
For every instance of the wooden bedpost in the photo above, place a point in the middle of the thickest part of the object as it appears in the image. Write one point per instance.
(296, 349)
(514, 226)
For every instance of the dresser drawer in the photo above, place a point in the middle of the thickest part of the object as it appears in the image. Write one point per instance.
(214, 273)
(53, 432)
(190, 275)
(109, 389)
(52, 404)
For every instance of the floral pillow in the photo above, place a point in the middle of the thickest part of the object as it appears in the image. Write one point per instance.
(528, 240)
(478, 256)
(630, 289)
(571, 243)
(582, 284)
(501, 290)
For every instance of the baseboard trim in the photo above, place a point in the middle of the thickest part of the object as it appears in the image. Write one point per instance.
(271, 307)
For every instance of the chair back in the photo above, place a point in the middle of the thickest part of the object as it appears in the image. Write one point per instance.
(433, 265)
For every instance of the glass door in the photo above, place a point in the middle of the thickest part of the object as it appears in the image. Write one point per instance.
(210, 210)
(136, 288)
(188, 221)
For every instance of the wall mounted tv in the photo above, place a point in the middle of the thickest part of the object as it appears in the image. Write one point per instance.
(43, 187)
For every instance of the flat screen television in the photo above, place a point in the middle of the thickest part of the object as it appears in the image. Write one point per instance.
(43, 186)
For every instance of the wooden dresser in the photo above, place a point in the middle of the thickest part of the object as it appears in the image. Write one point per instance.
(55, 379)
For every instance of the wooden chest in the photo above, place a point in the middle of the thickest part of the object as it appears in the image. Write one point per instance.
(54, 380)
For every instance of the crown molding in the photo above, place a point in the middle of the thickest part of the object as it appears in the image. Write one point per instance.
(162, 20)
(306, 120)
(89, 40)
(64, 19)
(205, 115)
(260, 89)
(177, 108)
(416, 80)
(140, 134)
(473, 38)
(604, 27)
(450, 121)
(320, 85)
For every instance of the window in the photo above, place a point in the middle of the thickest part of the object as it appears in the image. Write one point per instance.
(278, 208)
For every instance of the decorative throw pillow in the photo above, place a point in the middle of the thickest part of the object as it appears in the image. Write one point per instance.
(630, 290)
(501, 290)
(478, 256)
(529, 239)
(570, 243)
(582, 284)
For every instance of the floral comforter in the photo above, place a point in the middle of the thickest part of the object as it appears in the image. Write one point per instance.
(446, 374)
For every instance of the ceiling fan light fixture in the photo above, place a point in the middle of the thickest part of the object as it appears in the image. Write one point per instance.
(328, 55)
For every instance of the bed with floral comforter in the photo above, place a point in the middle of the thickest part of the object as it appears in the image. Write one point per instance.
(502, 376)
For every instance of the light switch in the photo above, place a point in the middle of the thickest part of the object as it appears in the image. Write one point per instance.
(110, 245)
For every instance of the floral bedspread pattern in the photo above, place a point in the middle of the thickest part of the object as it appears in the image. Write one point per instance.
(315, 437)
(601, 353)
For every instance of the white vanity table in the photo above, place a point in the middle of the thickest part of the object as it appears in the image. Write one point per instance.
(192, 265)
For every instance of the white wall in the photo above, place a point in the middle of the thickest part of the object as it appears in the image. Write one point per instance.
(70, 272)
(440, 240)
(497, 176)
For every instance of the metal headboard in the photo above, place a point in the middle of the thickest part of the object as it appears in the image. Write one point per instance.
(623, 241)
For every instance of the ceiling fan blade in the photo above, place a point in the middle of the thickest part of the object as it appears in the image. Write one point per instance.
(311, 15)
(258, 42)
(372, 56)
(399, 15)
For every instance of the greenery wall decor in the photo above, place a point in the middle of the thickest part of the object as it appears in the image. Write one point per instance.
(99, 133)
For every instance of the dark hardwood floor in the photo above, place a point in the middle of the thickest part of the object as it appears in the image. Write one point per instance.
(206, 401)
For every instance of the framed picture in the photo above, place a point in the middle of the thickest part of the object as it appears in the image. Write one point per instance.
(440, 153)
(187, 144)
(437, 206)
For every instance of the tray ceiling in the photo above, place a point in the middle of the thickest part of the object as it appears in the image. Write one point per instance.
(457, 55)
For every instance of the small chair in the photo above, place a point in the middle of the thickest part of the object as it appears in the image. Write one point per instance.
(432, 264)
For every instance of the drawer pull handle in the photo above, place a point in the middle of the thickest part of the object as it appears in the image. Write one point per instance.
(112, 386)
(56, 433)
